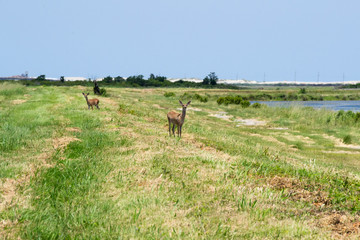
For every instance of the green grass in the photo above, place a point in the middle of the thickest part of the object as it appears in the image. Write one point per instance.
(114, 173)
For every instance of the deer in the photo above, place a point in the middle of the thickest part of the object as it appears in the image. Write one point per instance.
(91, 102)
(177, 119)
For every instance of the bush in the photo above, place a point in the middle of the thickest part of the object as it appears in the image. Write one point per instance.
(347, 139)
(302, 90)
(201, 98)
(256, 105)
(195, 96)
(169, 94)
(103, 92)
(357, 117)
(220, 100)
(245, 104)
(238, 100)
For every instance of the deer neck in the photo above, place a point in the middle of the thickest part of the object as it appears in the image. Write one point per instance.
(86, 98)
(183, 114)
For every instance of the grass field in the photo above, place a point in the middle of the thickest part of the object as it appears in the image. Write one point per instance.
(114, 173)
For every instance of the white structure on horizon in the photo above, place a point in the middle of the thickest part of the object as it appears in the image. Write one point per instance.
(72, 79)
(220, 81)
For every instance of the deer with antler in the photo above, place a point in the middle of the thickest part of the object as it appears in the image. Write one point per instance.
(91, 102)
(177, 119)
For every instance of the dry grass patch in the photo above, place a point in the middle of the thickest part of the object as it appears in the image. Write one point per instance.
(269, 139)
(73, 129)
(18, 101)
(250, 122)
(339, 143)
(158, 106)
(8, 192)
(292, 137)
(61, 143)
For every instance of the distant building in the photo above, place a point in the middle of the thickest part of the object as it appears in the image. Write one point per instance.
(72, 79)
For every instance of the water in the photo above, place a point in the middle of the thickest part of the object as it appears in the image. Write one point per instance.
(331, 105)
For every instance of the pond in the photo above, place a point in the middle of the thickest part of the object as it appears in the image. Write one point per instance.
(331, 105)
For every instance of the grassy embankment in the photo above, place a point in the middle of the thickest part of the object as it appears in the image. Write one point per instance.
(67, 172)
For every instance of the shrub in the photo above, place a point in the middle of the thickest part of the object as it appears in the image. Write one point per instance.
(302, 90)
(357, 117)
(220, 100)
(185, 96)
(169, 94)
(347, 139)
(256, 105)
(200, 98)
(103, 92)
(238, 99)
(245, 104)
(233, 100)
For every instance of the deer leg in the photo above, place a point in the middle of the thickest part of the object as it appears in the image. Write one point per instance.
(88, 107)
(180, 130)
(169, 127)
(173, 129)
(97, 106)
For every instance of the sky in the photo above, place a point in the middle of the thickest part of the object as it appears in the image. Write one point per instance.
(271, 40)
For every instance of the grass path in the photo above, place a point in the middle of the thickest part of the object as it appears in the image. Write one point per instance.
(69, 173)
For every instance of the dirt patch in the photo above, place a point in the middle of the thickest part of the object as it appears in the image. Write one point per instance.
(250, 122)
(342, 225)
(296, 191)
(222, 115)
(18, 101)
(61, 143)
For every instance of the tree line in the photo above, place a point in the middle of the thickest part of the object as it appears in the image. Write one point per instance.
(210, 81)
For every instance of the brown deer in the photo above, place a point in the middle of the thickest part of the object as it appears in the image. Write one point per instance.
(91, 102)
(177, 119)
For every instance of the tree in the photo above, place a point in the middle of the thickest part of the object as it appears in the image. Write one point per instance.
(41, 77)
(210, 79)
(62, 79)
(108, 79)
(213, 78)
(119, 79)
(206, 81)
(152, 77)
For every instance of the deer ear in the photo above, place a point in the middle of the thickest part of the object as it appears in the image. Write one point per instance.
(181, 102)
(88, 93)
(83, 93)
(188, 103)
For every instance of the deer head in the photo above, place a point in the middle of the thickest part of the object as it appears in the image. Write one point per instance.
(184, 106)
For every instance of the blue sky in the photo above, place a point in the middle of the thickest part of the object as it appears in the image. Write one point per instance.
(233, 38)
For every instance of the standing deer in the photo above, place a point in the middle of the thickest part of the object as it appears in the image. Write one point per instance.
(177, 119)
(91, 102)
